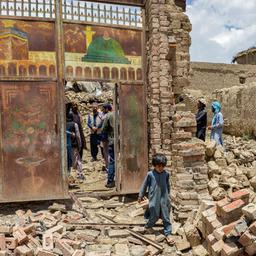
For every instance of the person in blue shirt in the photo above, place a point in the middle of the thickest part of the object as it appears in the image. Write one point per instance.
(217, 123)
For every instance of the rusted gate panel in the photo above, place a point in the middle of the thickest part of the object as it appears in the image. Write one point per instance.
(30, 159)
(131, 149)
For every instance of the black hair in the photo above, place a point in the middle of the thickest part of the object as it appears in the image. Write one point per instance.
(107, 106)
(70, 117)
(159, 159)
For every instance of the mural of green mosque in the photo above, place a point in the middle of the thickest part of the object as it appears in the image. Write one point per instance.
(104, 49)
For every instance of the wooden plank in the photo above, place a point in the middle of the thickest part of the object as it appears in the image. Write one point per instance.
(79, 204)
(147, 240)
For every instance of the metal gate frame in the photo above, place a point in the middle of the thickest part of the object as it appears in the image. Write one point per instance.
(60, 75)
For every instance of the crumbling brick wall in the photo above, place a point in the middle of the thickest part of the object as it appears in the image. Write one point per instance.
(209, 77)
(170, 127)
(238, 107)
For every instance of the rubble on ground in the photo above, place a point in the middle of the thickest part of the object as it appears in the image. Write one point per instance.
(111, 228)
(232, 167)
(226, 227)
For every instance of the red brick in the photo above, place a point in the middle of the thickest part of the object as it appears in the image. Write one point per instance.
(231, 249)
(2, 242)
(66, 249)
(42, 252)
(20, 235)
(11, 243)
(253, 228)
(217, 247)
(48, 242)
(251, 249)
(240, 194)
(246, 239)
(23, 250)
(29, 229)
(232, 212)
(33, 242)
(227, 229)
(221, 204)
(58, 229)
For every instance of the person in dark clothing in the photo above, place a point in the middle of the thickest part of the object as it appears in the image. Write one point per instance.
(106, 108)
(95, 123)
(77, 119)
(201, 119)
(73, 146)
(108, 128)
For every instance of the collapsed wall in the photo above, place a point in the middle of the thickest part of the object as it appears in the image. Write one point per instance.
(238, 107)
(170, 127)
(209, 77)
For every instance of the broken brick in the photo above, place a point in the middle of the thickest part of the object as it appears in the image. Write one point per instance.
(250, 211)
(57, 229)
(23, 250)
(246, 239)
(217, 247)
(66, 249)
(42, 252)
(48, 242)
(253, 228)
(29, 229)
(20, 235)
(231, 249)
(11, 243)
(74, 244)
(220, 204)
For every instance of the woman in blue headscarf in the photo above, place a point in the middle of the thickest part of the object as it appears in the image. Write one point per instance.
(217, 123)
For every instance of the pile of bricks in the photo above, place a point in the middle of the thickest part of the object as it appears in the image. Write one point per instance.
(39, 234)
(229, 226)
(189, 171)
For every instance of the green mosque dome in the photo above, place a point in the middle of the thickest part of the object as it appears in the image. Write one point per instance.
(105, 50)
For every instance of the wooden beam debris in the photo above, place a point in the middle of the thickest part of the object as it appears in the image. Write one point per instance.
(147, 240)
(80, 205)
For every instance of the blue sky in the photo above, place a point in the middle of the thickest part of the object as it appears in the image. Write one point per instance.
(221, 28)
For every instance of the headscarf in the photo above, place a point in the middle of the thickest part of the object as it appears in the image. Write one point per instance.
(216, 106)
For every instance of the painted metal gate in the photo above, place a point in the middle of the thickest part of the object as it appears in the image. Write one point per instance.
(131, 144)
(42, 44)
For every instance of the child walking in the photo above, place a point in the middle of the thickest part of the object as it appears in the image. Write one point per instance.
(158, 186)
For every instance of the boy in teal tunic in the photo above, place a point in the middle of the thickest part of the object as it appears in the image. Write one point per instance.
(158, 186)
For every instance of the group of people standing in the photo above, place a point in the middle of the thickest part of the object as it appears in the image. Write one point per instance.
(217, 123)
(101, 125)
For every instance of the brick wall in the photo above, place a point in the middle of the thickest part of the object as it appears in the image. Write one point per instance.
(208, 77)
(170, 127)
